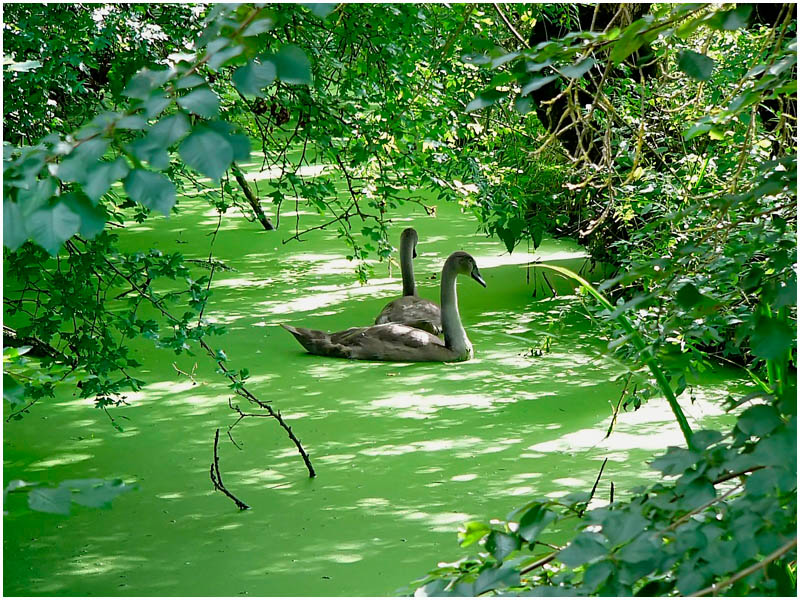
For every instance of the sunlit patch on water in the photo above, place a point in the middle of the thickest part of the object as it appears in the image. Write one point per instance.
(65, 459)
(418, 406)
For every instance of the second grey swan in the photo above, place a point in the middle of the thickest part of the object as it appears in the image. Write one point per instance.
(396, 342)
(410, 309)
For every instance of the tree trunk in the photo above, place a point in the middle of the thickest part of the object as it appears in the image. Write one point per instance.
(575, 138)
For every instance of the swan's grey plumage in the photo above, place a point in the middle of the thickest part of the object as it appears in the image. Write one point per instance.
(397, 342)
(410, 309)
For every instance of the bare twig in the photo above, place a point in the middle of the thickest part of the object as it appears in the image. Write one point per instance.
(509, 25)
(594, 487)
(216, 476)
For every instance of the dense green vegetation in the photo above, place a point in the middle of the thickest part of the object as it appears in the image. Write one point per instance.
(661, 137)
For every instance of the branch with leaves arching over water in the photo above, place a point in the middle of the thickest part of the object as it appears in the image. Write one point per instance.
(235, 379)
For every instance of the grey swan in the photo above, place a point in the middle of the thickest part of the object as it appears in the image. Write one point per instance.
(396, 342)
(410, 309)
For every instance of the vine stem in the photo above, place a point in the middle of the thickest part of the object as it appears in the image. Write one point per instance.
(639, 344)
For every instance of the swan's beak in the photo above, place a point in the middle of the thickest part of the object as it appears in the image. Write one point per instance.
(476, 275)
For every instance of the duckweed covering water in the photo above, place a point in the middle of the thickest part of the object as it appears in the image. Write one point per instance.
(405, 453)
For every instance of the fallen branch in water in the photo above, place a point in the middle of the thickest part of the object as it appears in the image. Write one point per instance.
(216, 476)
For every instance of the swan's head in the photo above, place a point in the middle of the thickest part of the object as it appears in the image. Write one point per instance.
(409, 238)
(464, 264)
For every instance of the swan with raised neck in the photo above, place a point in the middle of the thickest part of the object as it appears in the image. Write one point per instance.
(397, 342)
(410, 309)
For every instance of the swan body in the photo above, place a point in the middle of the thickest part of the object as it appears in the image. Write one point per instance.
(388, 341)
(398, 342)
(410, 309)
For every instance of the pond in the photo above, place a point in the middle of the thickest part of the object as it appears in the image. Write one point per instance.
(405, 453)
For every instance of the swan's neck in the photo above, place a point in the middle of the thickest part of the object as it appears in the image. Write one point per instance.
(455, 337)
(407, 267)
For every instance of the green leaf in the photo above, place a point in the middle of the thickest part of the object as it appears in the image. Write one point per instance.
(697, 66)
(292, 65)
(321, 9)
(473, 531)
(533, 522)
(36, 195)
(14, 230)
(688, 296)
(698, 492)
(622, 526)
(523, 105)
(238, 141)
(731, 19)
(596, 574)
(168, 130)
(509, 239)
(771, 338)
(100, 177)
(252, 78)
(13, 391)
(74, 166)
(144, 82)
(146, 151)
(153, 190)
(189, 81)
(629, 42)
(501, 544)
(155, 105)
(258, 26)
(484, 100)
(491, 579)
(696, 129)
(201, 102)
(208, 152)
(219, 58)
(50, 500)
(675, 461)
(534, 83)
(51, 226)
(585, 548)
(578, 69)
(704, 438)
(762, 482)
(643, 550)
(759, 420)
(93, 218)
(134, 122)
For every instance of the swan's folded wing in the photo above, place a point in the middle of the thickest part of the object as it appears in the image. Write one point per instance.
(413, 311)
(348, 337)
(399, 335)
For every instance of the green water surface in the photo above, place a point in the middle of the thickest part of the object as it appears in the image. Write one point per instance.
(405, 453)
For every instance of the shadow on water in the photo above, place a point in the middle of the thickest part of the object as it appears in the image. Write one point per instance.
(405, 452)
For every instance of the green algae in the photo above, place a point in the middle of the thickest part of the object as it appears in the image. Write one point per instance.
(404, 452)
